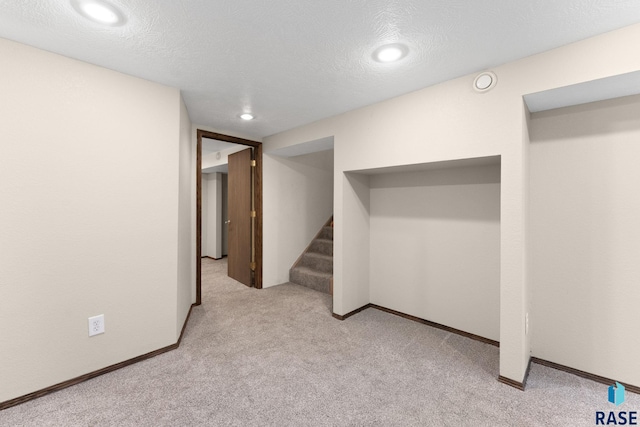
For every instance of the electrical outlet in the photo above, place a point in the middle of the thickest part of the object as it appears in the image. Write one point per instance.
(96, 325)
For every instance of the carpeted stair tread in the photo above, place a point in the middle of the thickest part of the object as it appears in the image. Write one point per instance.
(322, 246)
(327, 233)
(317, 261)
(313, 272)
(314, 269)
(310, 278)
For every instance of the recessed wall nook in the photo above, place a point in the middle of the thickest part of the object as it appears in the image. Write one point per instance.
(434, 241)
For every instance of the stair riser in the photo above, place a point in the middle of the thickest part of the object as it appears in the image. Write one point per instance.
(320, 264)
(324, 247)
(314, 282)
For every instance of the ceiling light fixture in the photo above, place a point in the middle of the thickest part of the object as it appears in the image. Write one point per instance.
(390, 52)
(247, 116)
(99, 11)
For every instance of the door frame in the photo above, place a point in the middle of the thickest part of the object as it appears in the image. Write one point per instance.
(257, 203)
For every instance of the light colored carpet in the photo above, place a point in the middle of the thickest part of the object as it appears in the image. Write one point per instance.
(276, 357)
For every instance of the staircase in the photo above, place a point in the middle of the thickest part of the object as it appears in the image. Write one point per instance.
(314, 268)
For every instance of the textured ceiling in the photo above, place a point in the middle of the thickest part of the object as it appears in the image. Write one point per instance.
(292, 62)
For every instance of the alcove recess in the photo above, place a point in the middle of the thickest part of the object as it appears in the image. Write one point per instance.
(433, 240)
(583, 211)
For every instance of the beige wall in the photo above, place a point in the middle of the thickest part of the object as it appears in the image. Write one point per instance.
(451, 121)
(435, 246)
(585, 237)
(90, 216)
(352, 222)
(186, 246)
(298, 201)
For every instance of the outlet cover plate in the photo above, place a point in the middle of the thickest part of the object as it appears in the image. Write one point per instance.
(96, 325)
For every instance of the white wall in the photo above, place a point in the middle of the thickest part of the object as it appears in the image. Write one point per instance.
(212, 215)
(585, 237)
(84, 229)
(446, 122)
(297, 201)
(205, 214)
(435, 246)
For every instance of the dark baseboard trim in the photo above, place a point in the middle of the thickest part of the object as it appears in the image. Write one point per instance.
(356, 311)
(512, 383)
(94, 374)
(184, 325)
(419, 320)
(215, 259)
(583, 374)
(437, 325)
(520, 386)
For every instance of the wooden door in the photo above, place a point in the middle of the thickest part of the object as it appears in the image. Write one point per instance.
(239, 209)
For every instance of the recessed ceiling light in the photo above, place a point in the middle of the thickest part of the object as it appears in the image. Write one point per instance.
(390, 52)
(99, 11)
(246, 116)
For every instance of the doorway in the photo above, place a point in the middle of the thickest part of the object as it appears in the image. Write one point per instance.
(214, 208)
(255, 266)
